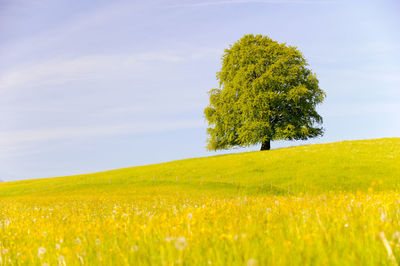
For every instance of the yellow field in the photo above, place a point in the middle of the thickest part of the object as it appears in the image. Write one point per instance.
(332, 229)
(152, 221)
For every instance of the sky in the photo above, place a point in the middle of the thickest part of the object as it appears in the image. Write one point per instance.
(88, 86)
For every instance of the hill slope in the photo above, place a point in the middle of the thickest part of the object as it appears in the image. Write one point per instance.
(319, 168)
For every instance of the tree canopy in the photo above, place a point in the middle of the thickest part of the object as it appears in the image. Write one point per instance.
(266, 92)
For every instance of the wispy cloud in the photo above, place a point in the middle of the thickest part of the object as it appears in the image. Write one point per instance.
(61, 70)
(358, 109)
(11, 139)
(229, 2)
(61, 32)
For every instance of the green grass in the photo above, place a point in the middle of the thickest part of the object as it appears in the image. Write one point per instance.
(341, 166)
(330, 204)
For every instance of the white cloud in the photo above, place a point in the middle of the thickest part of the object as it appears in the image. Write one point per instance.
(61, 70)
(14, 138)
(61, 32)
(361, 109)
(228, 2)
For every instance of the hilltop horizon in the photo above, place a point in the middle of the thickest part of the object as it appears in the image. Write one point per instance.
(95, 85)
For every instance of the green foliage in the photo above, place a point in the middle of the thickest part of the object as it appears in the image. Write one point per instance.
(266, 92)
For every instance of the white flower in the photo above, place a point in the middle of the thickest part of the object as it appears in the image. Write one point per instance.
(252, 262)
(180, 243)
(396, 235)
(383, 216)
(58, 246)
(61, 260)
(41, 252)
(169, 239)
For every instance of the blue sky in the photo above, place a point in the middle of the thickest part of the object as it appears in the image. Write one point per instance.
(87, 86)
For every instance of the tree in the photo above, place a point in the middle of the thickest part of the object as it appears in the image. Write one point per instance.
(266, 92)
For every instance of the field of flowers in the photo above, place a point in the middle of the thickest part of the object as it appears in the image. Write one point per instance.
(332, 204)
(172, 229)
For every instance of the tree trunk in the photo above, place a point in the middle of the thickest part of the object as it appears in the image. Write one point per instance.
(266, 145)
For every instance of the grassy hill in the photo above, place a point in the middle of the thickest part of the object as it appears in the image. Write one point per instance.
(341, 166)
(328, 204)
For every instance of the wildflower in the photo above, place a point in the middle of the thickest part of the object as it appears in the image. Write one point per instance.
(396, 235)
(61, 260)
(64, 250)
(190, 216)
(5, 251)
(98, 241)
(180, 243)
(169, 239)
(252, 262)
(78, 241)
(383, 215)
(41, 252)
(58, 246)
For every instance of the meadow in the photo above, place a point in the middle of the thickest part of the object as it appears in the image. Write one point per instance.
(333, 204)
